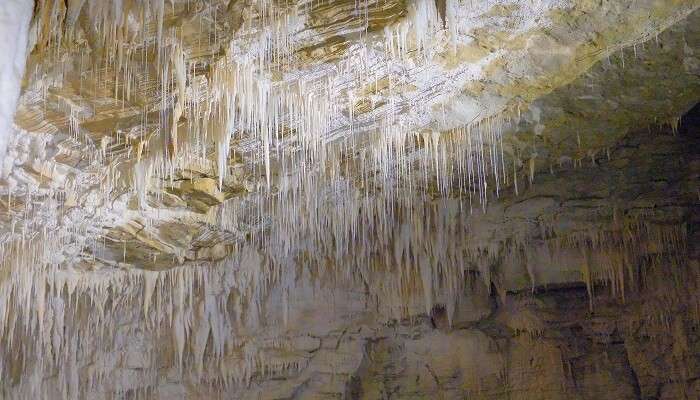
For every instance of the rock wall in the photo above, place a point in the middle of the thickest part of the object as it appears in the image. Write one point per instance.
(611, 311)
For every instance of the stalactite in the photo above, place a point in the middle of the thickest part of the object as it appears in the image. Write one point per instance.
(355, 192)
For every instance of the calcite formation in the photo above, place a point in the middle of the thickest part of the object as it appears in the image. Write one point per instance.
(370, 199)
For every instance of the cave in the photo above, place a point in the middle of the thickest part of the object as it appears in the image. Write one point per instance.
(350, 199)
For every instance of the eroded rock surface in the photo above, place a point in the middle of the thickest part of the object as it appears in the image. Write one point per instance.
(577, 297)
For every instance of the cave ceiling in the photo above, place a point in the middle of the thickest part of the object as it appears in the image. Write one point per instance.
(140, 124)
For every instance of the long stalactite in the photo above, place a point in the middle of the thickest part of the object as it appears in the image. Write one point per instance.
(190, 174)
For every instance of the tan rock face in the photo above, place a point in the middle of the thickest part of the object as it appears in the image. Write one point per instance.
(340, 199)
(572, 297)
(255, 96)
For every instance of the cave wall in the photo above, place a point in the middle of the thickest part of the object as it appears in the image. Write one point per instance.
(592, 292)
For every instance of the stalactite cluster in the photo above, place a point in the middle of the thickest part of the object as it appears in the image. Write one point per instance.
(182, 177)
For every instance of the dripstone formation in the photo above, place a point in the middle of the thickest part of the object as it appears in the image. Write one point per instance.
(350, 199)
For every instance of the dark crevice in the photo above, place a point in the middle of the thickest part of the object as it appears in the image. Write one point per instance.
(690, 122)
